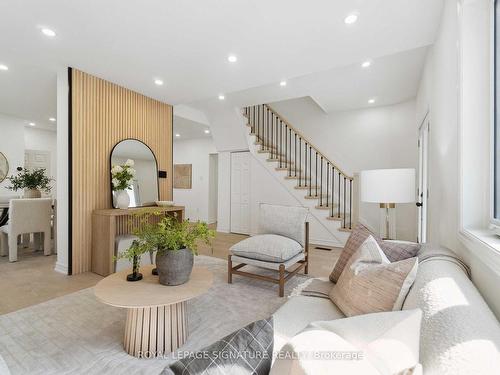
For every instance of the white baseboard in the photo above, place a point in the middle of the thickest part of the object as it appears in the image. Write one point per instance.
(61, 268)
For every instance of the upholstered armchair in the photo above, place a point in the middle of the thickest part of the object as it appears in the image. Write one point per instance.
(281, 245)
(26, 216)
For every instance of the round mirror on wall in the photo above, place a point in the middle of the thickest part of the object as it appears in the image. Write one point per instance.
(4, 167)
(134, 175)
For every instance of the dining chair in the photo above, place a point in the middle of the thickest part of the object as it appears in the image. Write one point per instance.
(26, 216)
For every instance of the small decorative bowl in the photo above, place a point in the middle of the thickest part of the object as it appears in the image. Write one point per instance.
(164, 203)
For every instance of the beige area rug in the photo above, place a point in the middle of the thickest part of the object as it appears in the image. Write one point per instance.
(76, 334)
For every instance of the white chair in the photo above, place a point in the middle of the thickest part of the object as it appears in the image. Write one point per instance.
(283, 243)
(26, 216)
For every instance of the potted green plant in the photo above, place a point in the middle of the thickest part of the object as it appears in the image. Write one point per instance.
(122, 177)
(133, 254)
(176, 243)
(32, 181)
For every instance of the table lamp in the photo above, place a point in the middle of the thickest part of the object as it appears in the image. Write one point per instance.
(387, 187)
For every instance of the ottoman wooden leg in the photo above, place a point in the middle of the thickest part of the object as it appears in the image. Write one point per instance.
(155, 331)
(282, 280)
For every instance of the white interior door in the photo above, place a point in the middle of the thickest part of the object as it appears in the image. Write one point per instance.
(423, 180)
(240, 192)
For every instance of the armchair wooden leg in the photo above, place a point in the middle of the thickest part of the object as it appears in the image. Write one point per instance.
(229, 270)
(282, 280)
(306, 267)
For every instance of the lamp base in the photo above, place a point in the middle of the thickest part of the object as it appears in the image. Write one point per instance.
(387, 221)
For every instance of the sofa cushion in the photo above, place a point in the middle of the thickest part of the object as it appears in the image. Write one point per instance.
(245, 351)
(380, 336)
(394, 250)
(267, 247)
(371, 283)
(287, 221)
(297, 313)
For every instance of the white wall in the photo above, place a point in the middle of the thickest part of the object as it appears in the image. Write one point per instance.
(379, 137)
(452, 88)
(12, 146)
(195, 152)
(43, 140)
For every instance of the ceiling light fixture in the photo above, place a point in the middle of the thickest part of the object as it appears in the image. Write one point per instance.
(283, 83)
(232, 58)
(207, 131)
(351, 18)
(32, 124)
(4, 67)
(366, 64)
(52, 119)
(48, 32)
(177, 135)
(158, 82)
(222, 97)
(371, 101)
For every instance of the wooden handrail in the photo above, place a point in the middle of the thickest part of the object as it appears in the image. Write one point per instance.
(307, 141)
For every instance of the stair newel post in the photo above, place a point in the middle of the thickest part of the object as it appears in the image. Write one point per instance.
(316, 174)
(295, 154)
(344, 204)
(290, 152)
(300, 161)
(350, 203)
(333, 191)
(305, 163)
(338, 211)
(321, 183)
(273, 145)
(327, 182)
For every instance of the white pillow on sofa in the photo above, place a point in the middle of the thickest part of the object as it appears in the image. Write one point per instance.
(267, 247)
(389, 341)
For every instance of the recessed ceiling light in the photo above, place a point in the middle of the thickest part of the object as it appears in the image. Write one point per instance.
(371, 101)
(52, 119)
(4, 67)
(158, 82)
(32, 124)
(351, 18)
(366, 64)
(222, 97)
(283, 83)
(232, 58)
(48, 32)
(207, 131)
(177, 135)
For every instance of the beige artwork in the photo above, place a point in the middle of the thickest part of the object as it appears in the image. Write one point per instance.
(182, 176)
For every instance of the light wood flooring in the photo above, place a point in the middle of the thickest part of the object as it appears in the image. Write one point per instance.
(32, 279)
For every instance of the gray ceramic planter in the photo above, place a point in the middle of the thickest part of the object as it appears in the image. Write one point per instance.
(174, 266)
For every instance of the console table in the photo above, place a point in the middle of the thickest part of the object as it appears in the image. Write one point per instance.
(109, 223)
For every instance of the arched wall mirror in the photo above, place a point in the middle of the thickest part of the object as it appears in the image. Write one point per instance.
(4, 167)
(138, 159)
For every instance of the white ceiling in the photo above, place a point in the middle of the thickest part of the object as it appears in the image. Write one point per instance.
(189, 129)
(186, 44)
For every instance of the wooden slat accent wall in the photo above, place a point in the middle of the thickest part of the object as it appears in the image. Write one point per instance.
(102, 115)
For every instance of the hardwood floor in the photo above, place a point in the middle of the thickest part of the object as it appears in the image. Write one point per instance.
(32, 279)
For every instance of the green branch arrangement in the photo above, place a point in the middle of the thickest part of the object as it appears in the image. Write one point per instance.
(33, 180)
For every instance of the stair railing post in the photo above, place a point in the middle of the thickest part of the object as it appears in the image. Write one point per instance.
(321, 183)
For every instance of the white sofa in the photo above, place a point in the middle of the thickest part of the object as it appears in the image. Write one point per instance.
(459, 334)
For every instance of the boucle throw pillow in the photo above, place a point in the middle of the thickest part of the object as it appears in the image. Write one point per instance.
(393, 250)
(371, 283)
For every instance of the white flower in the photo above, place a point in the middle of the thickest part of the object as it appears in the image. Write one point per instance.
(116, 169)
(129, 163)
(115, 182)
(131, 171)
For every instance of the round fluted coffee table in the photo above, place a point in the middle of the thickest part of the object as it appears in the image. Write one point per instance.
(156, 314)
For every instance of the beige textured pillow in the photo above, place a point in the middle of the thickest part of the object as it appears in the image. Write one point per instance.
(393, 250)
(371, 283)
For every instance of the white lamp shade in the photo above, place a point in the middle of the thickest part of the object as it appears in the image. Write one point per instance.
(388, 185)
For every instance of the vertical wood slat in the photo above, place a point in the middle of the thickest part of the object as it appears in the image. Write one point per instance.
(102, 115)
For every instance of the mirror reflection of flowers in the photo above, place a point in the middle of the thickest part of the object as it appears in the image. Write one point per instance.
(123, 175)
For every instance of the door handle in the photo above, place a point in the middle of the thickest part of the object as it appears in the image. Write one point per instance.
(419, 204)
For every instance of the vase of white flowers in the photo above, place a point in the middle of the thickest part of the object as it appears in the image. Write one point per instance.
(122, 177)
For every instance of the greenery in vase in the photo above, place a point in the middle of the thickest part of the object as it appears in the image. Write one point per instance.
(133, 254)
(170, 234)
(32, 180)
(122, 176)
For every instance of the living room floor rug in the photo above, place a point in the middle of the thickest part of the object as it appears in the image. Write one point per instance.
(77, 334)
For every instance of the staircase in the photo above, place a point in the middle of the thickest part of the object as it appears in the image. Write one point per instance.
(296, 160)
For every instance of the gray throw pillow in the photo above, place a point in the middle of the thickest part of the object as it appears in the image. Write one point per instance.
(246, 351)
